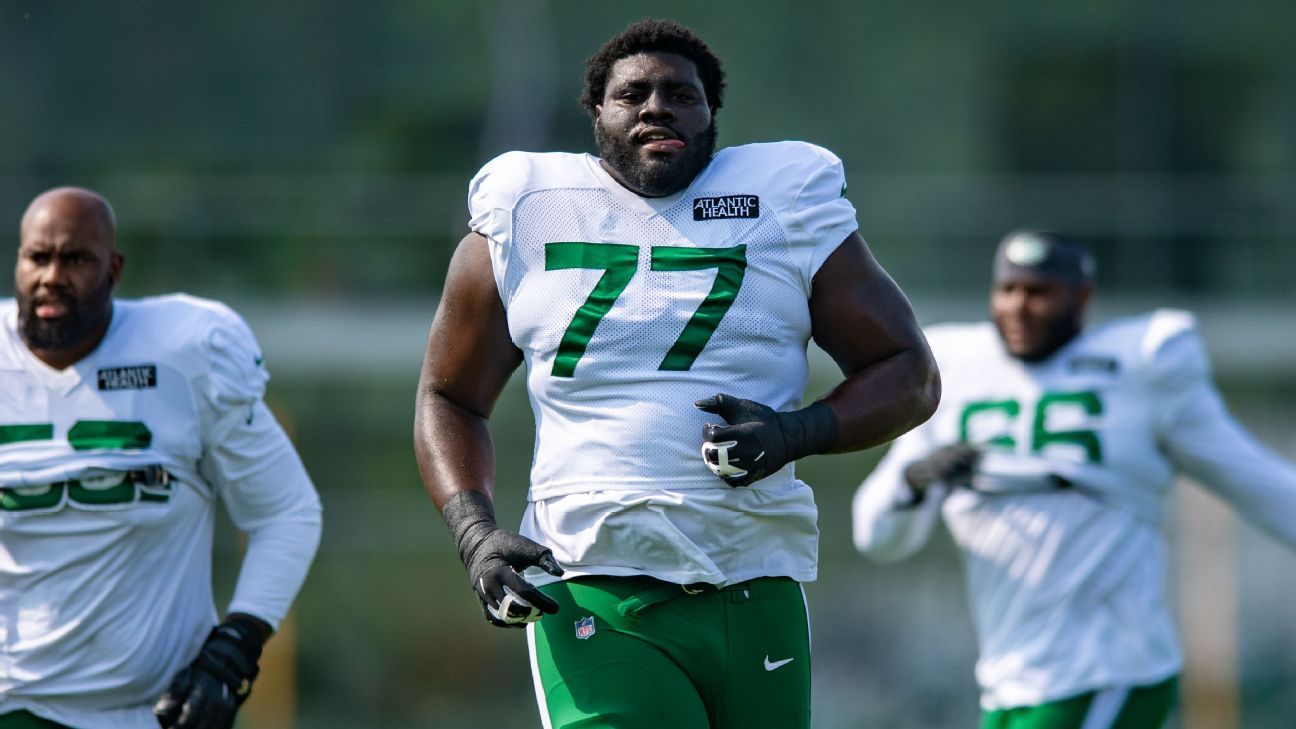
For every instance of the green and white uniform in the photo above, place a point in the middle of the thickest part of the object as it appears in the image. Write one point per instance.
(629, 309)
(105, 562)
(1060, 533)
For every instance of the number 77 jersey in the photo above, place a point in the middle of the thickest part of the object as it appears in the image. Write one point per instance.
(629, 309)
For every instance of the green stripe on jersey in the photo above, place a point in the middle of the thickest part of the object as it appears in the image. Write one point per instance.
(25, 432)
(114, 434)
(26, 720)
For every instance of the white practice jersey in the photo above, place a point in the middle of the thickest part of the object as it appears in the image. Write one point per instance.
(109, 473)
(628, 310)
(1060, 533)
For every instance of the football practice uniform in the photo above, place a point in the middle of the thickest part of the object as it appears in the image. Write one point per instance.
(628, 310)
(1060, 531)
(109, 475)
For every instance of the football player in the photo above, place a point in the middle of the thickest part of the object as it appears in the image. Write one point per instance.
(122, 424)
(661, 296)
(1049, 458)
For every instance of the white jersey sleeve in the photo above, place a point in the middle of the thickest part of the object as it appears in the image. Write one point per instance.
(1202, 438)
(254, 468)
(492, 195)
(820, 213)
(887, 526)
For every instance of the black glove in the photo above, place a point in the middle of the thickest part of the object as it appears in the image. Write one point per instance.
(208, 692)
(952, 464)
(759, 440)
(494, 557)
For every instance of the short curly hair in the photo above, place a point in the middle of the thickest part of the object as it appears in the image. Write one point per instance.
(646, 36)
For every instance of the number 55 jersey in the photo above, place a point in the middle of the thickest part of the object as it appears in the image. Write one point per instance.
(629, 309)
(1060, 527)
(109, 474)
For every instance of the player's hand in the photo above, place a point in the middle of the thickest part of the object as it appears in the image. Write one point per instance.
(509, 601)
(494, 557)
(758, 440)
(208, 692)
(953, 464)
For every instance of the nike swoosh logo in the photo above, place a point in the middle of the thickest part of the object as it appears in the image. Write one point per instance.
(258, 360)
(770, 666)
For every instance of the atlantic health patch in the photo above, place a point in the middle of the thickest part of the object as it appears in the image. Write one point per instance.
(137, 377)
(1094, 363)
(726, 206)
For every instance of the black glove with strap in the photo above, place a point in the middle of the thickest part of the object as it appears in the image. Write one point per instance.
(208, 692)
(758, 440)
(494, 557)
(953, 464)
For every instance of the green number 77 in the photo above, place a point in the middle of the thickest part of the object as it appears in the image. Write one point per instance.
(619, 263)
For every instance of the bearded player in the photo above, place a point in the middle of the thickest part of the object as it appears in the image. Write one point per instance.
(122, 424)
(661, 296)
(1050, 458)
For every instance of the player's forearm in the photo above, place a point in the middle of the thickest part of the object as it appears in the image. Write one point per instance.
(884, 400)
(889, 521)
(453, 447)
(883, 528)
(1205, 440)
(279, 555)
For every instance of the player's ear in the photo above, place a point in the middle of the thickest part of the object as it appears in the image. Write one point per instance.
(115, 266)
(1083, 293)
(598, 111)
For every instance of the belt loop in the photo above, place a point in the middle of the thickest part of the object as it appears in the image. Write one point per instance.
(642, 601)
(658, 593)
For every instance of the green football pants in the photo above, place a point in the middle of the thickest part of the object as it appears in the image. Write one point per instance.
(638, 653)
(1138, 707)
(26, 720)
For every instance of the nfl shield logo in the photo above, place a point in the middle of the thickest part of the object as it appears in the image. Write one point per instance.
(585, 627)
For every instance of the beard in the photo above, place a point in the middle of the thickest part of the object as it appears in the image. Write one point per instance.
(84, 317)
(1057, 333)
(656, 178)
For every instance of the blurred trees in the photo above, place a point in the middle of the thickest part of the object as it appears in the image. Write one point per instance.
(324, 149)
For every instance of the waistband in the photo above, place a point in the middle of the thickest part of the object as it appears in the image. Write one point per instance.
(655, 592)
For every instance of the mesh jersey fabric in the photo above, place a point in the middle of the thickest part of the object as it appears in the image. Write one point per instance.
(618, 486)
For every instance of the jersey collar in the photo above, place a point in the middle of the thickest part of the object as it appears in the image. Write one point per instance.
(59, 381)
(646, 206)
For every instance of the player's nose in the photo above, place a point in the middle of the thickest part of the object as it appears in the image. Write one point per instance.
(53, 275)
(656, 106)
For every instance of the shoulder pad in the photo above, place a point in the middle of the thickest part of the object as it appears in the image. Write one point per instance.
(210, 341)
(951, 342)
(1171, 349)
(500, 183)
(788, 175)
(503, 181)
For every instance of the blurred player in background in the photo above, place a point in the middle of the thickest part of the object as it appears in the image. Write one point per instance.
(1049, 458)
(661, 296)
(122, 423)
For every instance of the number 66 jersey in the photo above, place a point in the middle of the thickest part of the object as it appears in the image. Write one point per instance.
(109, 474)
(627, 310)
(1060, 527)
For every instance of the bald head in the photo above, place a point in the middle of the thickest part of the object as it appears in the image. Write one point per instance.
(73, 207)
(68, 266)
